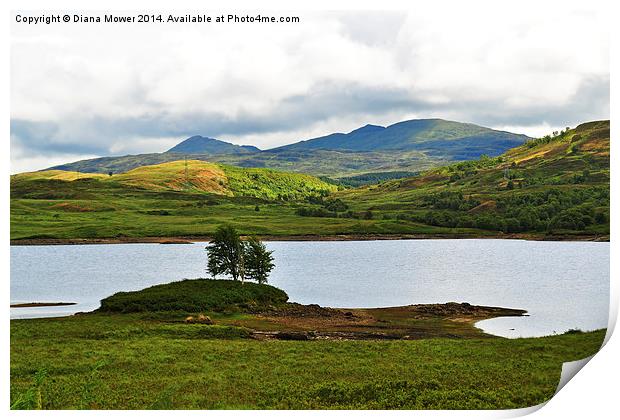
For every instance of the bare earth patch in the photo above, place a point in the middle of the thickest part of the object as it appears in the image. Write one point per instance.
(308, 322)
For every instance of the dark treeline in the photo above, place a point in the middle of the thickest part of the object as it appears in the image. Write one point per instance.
(331, 208)
(574, 209)
(450, 200)
(374, 178)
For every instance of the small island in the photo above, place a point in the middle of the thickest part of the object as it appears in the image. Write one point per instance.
(261, 311)
(40, 304)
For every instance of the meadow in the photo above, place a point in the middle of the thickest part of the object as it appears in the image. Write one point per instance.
(135, 361)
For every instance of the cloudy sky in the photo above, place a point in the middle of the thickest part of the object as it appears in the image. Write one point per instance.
(87, 90)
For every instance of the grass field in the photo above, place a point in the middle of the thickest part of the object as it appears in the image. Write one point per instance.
(133, 362)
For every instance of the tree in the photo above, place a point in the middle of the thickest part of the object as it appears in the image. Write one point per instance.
(225, 253)
(229, 255)
(258, 261)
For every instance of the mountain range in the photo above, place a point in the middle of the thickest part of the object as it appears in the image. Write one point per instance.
(462, 140)
(405, 146)
(556, 186)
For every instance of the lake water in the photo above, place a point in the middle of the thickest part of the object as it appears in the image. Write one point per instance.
(562, 285)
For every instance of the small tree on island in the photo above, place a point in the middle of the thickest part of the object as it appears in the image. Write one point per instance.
(229, 255)
(258, 262)
(225, 253)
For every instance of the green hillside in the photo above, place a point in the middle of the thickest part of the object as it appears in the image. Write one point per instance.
(157, 200)
(556, 186)
(553, 184)
(190, 176)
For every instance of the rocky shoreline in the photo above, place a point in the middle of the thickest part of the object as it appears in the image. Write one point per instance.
(293, 238)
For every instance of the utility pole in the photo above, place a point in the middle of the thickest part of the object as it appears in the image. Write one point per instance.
(186, 175)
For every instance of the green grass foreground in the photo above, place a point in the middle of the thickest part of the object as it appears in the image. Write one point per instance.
(140, 350)
(133, 361)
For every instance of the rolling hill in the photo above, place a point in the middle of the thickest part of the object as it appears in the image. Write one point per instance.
(552, 184)
(408, 146)
(552, 187)
(190, 176)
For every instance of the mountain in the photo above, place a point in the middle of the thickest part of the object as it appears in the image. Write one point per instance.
(408, 146)
(439, 137)
(552, 185)
(207, 145)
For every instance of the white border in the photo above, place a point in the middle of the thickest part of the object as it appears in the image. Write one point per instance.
(592, 393)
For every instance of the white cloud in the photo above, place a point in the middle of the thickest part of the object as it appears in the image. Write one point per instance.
(140, 88)
(137, 145)
(23, 161)
(531, 130)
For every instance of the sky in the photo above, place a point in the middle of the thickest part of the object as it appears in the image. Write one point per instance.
(87, 90)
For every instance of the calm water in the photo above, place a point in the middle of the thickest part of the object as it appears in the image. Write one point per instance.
(562, 285)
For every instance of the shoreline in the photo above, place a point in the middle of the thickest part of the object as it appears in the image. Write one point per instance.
(303, 238)
(295, 321)
(452, 311)
(41, 304)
